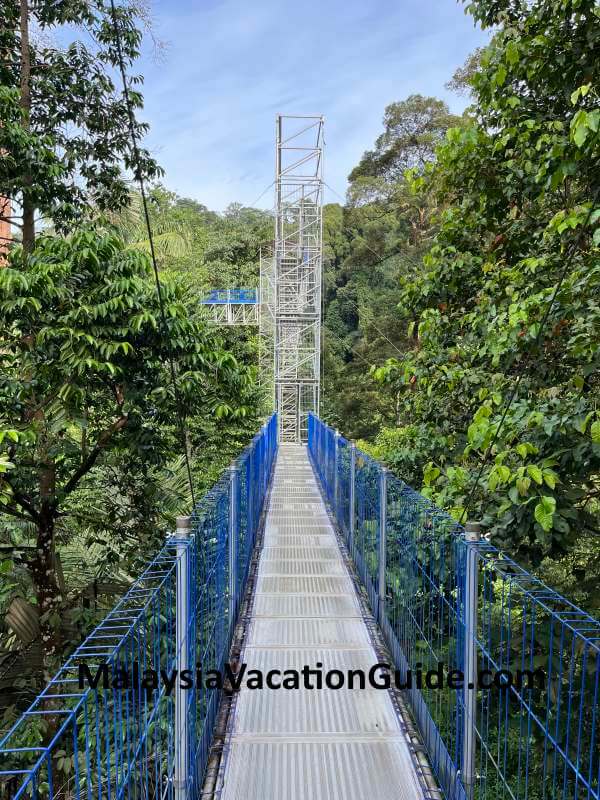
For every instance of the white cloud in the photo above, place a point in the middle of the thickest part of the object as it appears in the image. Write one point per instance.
(232, 65)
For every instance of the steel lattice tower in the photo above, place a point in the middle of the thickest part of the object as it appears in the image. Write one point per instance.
(290, 295)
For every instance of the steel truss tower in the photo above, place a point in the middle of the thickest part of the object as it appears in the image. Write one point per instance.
(290, 292)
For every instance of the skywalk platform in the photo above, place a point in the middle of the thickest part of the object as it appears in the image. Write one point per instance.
(296, 744)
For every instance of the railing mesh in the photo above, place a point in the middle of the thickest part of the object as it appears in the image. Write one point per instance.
(534, 733)
(120, 738)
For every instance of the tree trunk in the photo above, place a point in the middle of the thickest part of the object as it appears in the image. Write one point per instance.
(28, 207)
(44, 575)
(49, 601)
(47, 593)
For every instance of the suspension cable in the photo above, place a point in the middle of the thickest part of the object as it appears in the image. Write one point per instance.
(163, 315)
(260, 196)
(379, 261)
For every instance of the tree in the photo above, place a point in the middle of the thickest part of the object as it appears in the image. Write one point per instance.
(413, 129)
(462, 80)
(83, 381)
(232, 253)
(372, 247)
(519, 186)
(64, 127)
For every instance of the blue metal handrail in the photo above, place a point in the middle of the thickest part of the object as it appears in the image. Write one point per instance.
(231, 296)
(521, 741)
(111, 743)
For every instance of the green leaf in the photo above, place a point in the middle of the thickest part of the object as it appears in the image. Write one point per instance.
(593, 120)
(595, 431)
(544, 512)
(581, 91)
(499, 76)
(512, 53)
(503, 473)
(550, 478)
(482, 414)
(535, 473)
(430, 474)
(579, 128)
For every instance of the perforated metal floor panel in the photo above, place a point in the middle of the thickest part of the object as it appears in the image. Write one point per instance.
(310, 744)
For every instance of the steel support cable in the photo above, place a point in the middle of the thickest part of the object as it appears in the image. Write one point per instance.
(260, 196)
(163, 315)
(380, 261)
(345, 345)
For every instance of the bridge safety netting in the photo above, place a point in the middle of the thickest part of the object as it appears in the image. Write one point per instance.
(108, 725)
(450, 606)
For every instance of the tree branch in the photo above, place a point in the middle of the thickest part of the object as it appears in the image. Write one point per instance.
(14, 513)
(92, 456)
(24, 502)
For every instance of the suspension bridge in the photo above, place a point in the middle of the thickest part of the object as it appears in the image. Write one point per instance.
(316, 628)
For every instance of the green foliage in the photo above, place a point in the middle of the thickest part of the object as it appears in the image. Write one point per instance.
(517, 189)
(64, 127)
(88, 411)
(201, 250)
(91, 466)
(413, 129)
(230, 257)
(372, 246)
(195, 246)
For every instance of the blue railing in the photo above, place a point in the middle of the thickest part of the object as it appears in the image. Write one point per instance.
(115, 741)
(231, 296)
(441, 598)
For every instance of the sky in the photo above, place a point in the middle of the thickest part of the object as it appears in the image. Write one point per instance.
(229, 66)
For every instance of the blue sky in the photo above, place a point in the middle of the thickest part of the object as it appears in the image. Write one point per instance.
(232, 65)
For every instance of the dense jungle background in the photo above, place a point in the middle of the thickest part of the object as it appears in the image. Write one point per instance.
(438, 266)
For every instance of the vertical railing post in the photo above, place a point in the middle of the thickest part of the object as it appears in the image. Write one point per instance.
(269, 447)
(319, 446)
(233, 545)
(351, 500)
(336, 480)
(323, 452)
(269, 451)
(182, 609)
(382, 543)
(326, 459)
(472, 537)
(266, 458)
(250, 501)
(320, 449)
(260, 459)
(263, 459)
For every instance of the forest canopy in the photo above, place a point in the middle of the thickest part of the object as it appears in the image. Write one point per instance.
(461, 300)
(470, 274)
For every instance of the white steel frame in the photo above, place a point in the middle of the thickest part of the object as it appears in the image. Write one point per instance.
(232, 313)
(290, 291)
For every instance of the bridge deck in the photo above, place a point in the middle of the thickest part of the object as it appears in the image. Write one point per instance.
(300, 743)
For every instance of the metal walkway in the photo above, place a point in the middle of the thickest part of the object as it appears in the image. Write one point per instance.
(293, 744)
(442, 598)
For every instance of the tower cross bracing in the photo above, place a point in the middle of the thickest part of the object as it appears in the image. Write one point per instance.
(290, 293)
